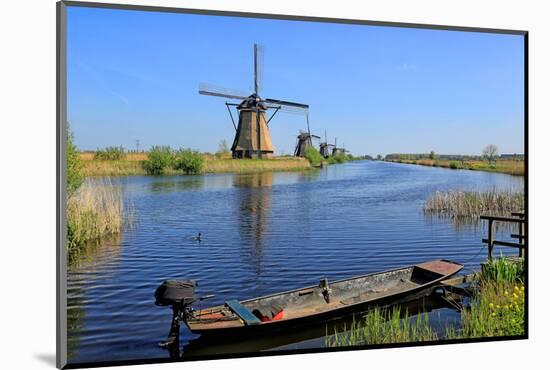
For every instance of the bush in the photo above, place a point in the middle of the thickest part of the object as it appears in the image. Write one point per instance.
(110, 153)
(313, 156)
(189, 161)
(158, 160)
(338, 158)
(74, 166)
(454, 165)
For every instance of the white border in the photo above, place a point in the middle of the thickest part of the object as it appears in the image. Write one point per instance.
(28, 182)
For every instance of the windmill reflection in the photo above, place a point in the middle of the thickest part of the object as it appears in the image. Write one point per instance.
(254, 211)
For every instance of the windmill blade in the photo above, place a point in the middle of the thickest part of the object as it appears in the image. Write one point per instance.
(212, 90)
(258, 68)
(315, 136)
(287, 103)
(288, 109)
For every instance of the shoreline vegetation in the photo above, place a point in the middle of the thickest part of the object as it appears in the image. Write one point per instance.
(513, 167)
(469, 205)
(496, 308)
(163, 160)
(133, 165)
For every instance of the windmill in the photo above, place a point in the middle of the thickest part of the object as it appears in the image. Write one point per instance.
(324, 147)
(304, 140)
(252, 137)
(336, 150)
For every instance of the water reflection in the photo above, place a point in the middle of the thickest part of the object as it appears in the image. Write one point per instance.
(254, 201)
(83, 264)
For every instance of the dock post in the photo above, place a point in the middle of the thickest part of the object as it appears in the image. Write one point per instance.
(490, 239)
(521, 239)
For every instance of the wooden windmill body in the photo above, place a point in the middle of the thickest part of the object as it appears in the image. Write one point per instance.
(324, 148)
(252, 136)
(304, 141)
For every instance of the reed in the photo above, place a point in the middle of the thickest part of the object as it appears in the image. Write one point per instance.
(94, 211)
(503, 271)
(213, 164)
(471, 204)
(381, 326)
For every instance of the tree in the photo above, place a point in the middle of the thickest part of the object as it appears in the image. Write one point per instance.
(432, 155)
(490, 152)
(379, 157)
(223, 148)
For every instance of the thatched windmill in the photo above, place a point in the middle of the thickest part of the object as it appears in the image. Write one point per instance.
(252, 137)
(324, 147)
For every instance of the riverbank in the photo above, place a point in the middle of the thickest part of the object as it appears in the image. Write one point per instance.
(510, 167)
(132, 165)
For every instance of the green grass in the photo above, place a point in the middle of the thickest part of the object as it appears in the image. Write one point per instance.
(497, 309)
(382, 326)
(503, 271)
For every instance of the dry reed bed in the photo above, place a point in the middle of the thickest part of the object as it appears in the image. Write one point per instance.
(472, 204)
(94, 211)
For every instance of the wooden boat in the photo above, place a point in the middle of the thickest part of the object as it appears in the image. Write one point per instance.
(317, 303)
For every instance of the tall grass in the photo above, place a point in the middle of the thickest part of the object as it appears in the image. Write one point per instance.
(94, 211)
(503, 271)
(497, 309)
(381, 326)
(471, 204)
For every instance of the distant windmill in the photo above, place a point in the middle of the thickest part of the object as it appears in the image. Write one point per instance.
(324, 148)
(304, 140)
(252, 137)
(337, 150)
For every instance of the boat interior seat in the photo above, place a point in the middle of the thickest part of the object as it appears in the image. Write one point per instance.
(244, 313)
(422, 276)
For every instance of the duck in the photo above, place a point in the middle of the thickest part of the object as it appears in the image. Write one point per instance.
(198, 237)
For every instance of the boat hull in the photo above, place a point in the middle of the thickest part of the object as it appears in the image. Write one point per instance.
(307, 306)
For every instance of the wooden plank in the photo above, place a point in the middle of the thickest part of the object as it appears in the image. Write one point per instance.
(505, 219)
(243, 312)
(457, 280)
(504, 244)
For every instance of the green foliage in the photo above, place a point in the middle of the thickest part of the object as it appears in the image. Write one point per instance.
(432, 155)
(110, 153)
(454, 165)
(497, 309)
(338, 158)
(189, 161)
(74, 166)
(159, 159)
(381, 326)
(501, 270)
(313, 156)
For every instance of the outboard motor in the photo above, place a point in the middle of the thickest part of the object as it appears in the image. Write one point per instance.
(179, 294)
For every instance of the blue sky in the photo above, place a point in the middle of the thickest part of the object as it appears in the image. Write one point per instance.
(135, 75)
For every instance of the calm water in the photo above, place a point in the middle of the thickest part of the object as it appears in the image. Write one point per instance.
(262, 233)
